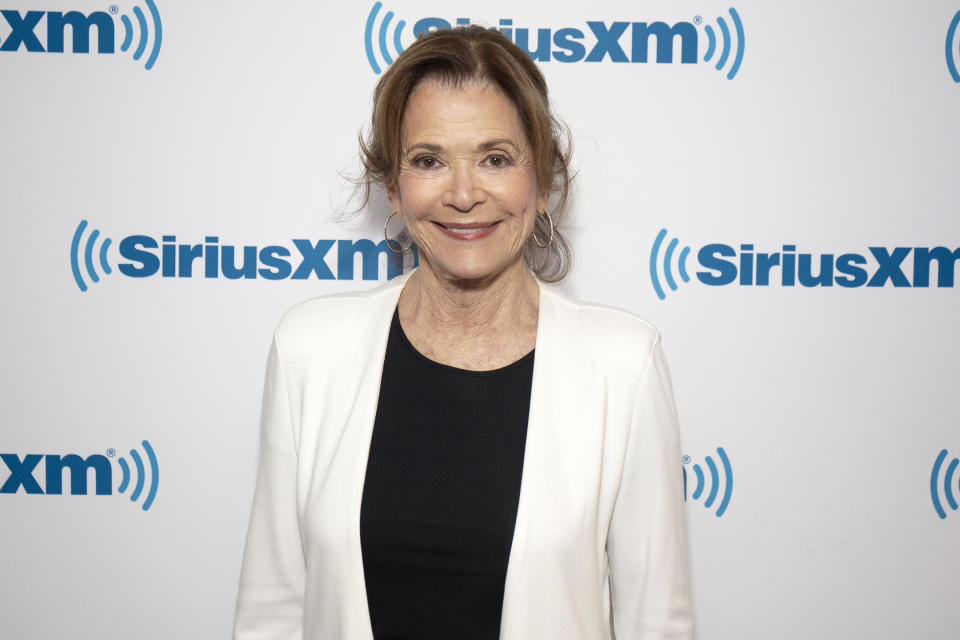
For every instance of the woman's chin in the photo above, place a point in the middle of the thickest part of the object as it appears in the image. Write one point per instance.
(471, 271)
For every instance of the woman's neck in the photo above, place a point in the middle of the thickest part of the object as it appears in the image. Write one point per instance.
(474, 324)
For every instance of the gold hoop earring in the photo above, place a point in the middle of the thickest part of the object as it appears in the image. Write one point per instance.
(389, 241)
(536, 239)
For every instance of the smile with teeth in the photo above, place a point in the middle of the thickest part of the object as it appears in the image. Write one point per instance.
(467, 232)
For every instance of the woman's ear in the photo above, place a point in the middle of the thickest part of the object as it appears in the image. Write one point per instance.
(542, 199)
(393, 195)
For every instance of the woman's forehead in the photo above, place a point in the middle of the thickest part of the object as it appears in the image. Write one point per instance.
(442, 113)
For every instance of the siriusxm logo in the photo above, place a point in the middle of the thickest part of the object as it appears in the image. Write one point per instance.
(25, 27)
(716, 486)
(144, 256)
(595, 41)
(953, 48)
(140, 482)
(949, 484)
(745, 266)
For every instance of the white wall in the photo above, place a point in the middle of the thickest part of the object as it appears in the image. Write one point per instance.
(839, 132)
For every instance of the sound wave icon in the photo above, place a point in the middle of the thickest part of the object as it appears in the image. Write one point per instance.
(951, 481)
(139, 475)
(667, 264)
(382, 32)
(715, 484)
(727, 45)
(144, 32)
(88, 255)
(952, 48)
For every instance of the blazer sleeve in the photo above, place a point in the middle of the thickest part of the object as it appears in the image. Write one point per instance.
(646, 543)
(272, 580)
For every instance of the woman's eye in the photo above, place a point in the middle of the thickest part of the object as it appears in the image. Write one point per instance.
(498, 162)
(425, 162)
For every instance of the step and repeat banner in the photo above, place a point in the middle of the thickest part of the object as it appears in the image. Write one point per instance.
(774, 185)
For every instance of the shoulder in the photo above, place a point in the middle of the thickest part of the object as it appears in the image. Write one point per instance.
(318, 325)
(617, 337)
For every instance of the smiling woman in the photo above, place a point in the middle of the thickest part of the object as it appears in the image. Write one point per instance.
(450, 62)
(466, 452)
(466, 187)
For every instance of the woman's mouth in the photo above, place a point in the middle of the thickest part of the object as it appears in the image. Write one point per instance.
(468, 231)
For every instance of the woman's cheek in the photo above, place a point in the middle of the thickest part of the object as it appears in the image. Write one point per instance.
(417, 195)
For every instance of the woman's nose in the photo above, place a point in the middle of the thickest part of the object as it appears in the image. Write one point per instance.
(464, 190)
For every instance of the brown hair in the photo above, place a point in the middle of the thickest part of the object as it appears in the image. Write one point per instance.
(468, 54)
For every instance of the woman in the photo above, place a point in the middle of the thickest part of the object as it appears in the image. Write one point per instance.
(419, 476)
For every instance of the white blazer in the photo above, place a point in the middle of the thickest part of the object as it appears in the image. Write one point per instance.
(599, 547)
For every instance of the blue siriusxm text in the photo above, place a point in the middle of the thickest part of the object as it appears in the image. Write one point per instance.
(143, 256)
(623, 41)
(747, 266)
(140, 477)
(23, 468)
(617, 41)
(210, 259)
(141, 36)
(789, 267)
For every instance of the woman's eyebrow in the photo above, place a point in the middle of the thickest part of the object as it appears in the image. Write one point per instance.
(426, 146)
(499, 142)
(483, 146)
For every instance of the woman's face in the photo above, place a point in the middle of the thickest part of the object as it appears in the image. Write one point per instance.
(467, 187)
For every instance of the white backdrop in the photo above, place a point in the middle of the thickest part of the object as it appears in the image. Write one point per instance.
(838, 133)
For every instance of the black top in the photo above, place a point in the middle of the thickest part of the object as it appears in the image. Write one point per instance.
(440, 495)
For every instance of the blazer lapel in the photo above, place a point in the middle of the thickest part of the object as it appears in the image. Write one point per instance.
(554, 522)
(374, 329)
